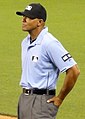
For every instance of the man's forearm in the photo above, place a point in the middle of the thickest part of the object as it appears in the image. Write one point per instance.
(68, 84)
(64, 91)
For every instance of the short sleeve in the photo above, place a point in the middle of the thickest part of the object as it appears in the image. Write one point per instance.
(59, 56)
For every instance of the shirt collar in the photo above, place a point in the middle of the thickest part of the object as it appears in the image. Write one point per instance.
(41, 35)
(39, 38)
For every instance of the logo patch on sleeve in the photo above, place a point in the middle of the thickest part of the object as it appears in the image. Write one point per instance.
(66, 57)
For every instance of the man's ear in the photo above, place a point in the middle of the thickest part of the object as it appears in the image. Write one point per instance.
(40, 22)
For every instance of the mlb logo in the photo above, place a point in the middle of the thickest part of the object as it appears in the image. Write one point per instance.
(34, 58)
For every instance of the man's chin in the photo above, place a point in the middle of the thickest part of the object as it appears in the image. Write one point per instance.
(24, 30)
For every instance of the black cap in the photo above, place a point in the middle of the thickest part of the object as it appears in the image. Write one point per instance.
(34, 10)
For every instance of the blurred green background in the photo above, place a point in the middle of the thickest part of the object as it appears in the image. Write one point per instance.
(66, 21)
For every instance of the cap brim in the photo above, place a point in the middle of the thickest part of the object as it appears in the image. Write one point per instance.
(25, 13)
(20, 13)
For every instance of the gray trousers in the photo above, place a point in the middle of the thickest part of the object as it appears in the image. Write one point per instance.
(36, 107)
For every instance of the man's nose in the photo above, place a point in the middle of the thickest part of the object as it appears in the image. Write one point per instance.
(24, 19)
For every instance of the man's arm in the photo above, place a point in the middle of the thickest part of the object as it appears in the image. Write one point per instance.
(70, 80)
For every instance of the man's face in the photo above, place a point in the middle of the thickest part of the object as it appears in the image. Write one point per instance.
(29, 24)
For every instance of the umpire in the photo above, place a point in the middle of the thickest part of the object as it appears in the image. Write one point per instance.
(43, 59)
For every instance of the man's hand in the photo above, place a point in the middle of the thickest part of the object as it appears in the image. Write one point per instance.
(56, 100)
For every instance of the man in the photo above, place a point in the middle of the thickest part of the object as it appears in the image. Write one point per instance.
(43, 58)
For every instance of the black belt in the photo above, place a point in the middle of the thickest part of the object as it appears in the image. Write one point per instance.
(39, 91)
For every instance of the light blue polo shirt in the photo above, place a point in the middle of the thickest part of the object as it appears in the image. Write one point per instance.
(43, 60)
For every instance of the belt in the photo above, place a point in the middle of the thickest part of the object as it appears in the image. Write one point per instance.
(39, 91)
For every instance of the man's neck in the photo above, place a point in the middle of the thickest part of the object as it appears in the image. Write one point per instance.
(34, 33)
